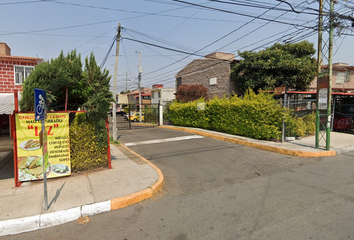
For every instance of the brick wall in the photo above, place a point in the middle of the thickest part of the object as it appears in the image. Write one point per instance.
(4, 49)
(7, 76)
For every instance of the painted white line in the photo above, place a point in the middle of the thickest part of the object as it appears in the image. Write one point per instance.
(163, 140)
(89, 210)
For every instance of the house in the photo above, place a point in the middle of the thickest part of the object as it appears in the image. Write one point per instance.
(342, 78)
(133, 98)
(162, 95)
(14, 70)
(122, 101)
(213, 72)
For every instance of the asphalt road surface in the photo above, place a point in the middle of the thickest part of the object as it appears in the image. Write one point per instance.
(219, 190)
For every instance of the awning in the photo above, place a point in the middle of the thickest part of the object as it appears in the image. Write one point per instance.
(7, 103)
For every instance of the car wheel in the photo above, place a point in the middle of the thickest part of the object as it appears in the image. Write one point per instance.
(135, 120)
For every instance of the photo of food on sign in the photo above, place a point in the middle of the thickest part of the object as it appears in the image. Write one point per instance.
(30, 145)
(31, 168)
(60, 169)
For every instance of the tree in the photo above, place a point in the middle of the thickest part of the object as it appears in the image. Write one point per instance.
(123, 92)
(187, 93)
(290, 64)
(97, 105)
(87, 89)
(56, 76)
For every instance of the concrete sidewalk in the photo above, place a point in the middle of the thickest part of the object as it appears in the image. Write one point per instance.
(305, 147)
(131, 179)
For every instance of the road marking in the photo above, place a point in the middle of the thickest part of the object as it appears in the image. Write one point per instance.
(163, 140)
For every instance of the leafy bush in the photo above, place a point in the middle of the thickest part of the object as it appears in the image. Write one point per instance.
(85, 153)
(300, 126)
(256, 116)
(187, 93)
(150, 113)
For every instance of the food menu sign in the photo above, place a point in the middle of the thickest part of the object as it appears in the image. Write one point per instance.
(29, 152)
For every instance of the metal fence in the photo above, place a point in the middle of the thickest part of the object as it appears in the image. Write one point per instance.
(128, 116)
(342, 112)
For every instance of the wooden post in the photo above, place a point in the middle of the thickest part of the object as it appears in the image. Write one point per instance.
(66, 98)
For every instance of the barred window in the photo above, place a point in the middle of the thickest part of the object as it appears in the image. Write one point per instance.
(22, 73)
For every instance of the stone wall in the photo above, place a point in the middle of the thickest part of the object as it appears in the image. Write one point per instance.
(201, 71)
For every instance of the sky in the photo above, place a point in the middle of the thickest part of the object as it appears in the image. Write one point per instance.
(169, 34)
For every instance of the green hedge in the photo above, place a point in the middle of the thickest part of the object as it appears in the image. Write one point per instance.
(85, 152)
(256, 116)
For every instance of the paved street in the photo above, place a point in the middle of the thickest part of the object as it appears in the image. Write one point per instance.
(219, 190)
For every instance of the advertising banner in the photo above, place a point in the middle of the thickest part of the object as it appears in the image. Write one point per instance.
(29, 152)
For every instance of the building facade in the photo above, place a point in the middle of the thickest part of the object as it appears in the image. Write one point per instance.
(162, 95)
(133, 98)
(14, 70)
(342, 78)
(213, 72)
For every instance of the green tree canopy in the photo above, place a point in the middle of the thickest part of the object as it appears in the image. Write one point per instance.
(88, 88)
(280, 64)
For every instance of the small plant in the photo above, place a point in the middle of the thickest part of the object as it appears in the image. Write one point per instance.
(113, 141)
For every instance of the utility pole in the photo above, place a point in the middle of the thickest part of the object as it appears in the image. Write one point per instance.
(319, 67)
(140, 71)
(114, 110)
(330, 54)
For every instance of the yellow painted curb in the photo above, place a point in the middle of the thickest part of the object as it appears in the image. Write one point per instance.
(283, 151)
(125, 201)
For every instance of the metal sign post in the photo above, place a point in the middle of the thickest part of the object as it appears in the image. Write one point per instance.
(40, 111)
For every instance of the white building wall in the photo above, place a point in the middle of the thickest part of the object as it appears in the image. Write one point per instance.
(167, 95)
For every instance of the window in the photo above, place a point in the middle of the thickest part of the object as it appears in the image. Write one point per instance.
(213, 81)
(341, 77)
(179, 82)
(159, 94)
(22, 73)
(152, 94)
(146, 97)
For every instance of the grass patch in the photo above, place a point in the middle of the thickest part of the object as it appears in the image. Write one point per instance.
(113, 141)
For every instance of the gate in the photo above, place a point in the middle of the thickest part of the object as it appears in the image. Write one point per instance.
(128, 116)
(343, 114)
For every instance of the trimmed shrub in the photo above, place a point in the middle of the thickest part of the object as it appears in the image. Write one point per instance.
(85, 153)
(256, 115)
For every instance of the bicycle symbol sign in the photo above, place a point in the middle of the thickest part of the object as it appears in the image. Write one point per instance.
(40, 104)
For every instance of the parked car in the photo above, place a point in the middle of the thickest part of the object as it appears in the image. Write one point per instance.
(126, 116)
(118, 112)
(135, 117)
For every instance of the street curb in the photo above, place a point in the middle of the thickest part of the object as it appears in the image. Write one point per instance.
(45, 220)
(121, 202)
(283, 151)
